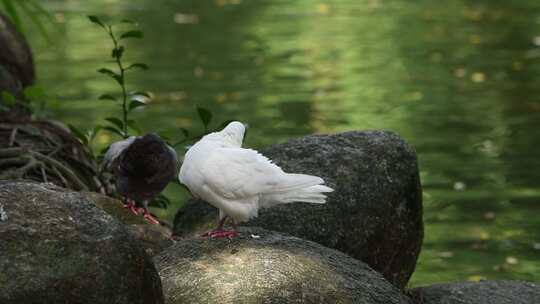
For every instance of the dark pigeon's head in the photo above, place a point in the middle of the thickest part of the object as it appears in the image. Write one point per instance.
(148, 156)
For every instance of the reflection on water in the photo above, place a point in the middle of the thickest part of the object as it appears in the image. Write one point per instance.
(460, 81)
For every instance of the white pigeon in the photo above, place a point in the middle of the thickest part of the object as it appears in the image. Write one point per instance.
(240, 181)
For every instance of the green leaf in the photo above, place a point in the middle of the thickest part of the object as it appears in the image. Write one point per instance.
(103, 151)
(164, 136)
(118, 52)
(114, 130)
(119, 79)
(135, 104)
(139, 65)
(95, 131)
(160, 201)
(133, 125)
(205, 116)
(34, 92)
(132, 34)
(107, 97)
(185, 132)
(79, 134)
(115, 121)
(95, 19)
(129, 21)
(7, 98)
(106, 71)
(112, 74)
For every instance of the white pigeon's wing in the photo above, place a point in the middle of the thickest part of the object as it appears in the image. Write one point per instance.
(236, 173)
(115, 150)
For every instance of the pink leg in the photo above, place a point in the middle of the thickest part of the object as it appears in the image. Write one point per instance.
(219, 232)
(130, 204)
(149, 217)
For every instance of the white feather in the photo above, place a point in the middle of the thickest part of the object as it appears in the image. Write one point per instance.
(240, 181)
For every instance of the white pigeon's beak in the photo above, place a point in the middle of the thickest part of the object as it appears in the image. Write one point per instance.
(246, 126)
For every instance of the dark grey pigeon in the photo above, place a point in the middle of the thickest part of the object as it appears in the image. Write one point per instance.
(142, 167)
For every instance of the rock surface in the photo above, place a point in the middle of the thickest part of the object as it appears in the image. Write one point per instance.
(262, 266)
(58, 247)
(484, 292)
(375, 213)
(153, 238)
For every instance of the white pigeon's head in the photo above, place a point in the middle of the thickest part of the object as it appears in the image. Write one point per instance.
(231, 136)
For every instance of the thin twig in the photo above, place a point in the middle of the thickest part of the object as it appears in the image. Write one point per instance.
(43, 173)
(62, 178)
(12, 137)
(63, 169)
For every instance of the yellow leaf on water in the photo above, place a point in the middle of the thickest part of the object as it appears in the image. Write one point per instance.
(476, 278)
(103, 138)
(511, 260)
(484, 236)
(220, 98)
(517, 65)
(323, 8)
(475, 39)
(445, 254)
(478, 77)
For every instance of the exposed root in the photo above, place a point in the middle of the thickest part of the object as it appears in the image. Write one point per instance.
(46, 153)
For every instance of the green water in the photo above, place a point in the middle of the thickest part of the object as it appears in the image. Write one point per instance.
(460, 81)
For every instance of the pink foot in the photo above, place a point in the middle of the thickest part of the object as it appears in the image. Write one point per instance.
(131, 206)
(220, 233)
(150, 218)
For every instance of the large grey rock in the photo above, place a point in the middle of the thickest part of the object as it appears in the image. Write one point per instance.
(375, 213)
(268, 267)
(56, 246)
(484, 292)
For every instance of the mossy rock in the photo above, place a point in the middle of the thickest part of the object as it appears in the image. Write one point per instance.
(263, 266)
(59, 247)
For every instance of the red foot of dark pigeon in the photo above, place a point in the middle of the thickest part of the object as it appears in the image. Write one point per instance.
(149, 217)
(131, 206)
(221, 234)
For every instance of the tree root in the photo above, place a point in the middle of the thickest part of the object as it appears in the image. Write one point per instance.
(34, 153)
(26, 160)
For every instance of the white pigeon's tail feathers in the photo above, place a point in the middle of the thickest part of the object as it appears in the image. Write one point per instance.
(312, 193)
(320, 188)
(292, 182)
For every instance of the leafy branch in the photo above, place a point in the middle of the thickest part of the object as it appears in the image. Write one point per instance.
(121, 126)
